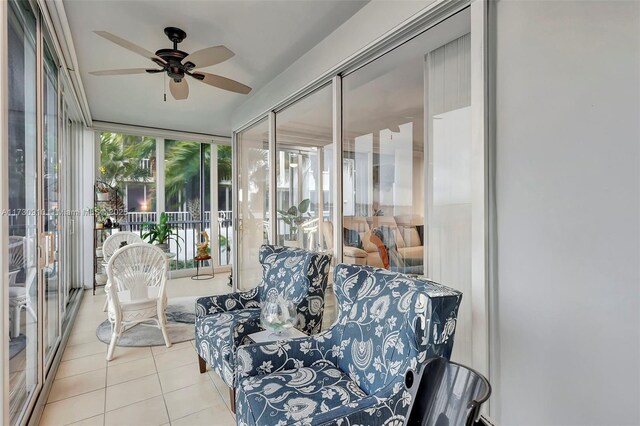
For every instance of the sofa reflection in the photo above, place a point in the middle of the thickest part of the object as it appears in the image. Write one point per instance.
(361, 245)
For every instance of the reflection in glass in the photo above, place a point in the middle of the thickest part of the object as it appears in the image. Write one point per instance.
(449, 199)
(253, 201)
(51, 205)
(22, 176)
(383, 162)
(304, 143)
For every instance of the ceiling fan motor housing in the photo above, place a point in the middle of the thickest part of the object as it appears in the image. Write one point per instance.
(173, 57)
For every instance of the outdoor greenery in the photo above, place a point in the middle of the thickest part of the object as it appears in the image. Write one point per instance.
(161, 232)
(120, 157)
(183, 165)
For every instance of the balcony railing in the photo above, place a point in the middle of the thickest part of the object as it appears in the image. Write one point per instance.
(189, 230)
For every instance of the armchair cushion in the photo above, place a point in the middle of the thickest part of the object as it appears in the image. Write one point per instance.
(295, 395)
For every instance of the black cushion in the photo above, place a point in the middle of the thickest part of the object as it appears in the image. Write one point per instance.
(351, 238)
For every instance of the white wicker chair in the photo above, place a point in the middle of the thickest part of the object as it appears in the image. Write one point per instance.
(111, 244)
(138, 275)
(113, 241)
(21, 257)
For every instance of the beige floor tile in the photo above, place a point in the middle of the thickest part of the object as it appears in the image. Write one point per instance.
(192, 399)
(81, 365)
(81, 338)
(73, 409)
(131, 370)
(174, 359)
(92, 421)
(132, 391)
(121, 355)
(181, 377)
(87, 325)
(150, 412)
(78, 384)
(84, 349)
(157, 350)
(212, 416)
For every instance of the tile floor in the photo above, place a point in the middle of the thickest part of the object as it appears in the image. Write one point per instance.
(140, 386)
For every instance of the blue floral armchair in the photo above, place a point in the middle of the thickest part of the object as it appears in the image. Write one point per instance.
(223, 322)
(354, 372)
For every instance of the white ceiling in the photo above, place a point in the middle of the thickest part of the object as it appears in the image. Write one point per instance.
(266, 36)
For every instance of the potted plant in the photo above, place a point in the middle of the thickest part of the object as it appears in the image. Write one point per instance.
(161, 233)
(101, 214)
(103, 192)
(294, 216)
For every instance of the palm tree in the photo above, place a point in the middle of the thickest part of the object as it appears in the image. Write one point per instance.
(121, 155)
(183, 165)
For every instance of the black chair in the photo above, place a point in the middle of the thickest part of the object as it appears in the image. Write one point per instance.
(448, 394)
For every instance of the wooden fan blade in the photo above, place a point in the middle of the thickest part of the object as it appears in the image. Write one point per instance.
(180, 90)
(127, 44)
(120, 72)
(223, 83)
(209, 56)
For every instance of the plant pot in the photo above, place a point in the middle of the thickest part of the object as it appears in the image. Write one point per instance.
(103, 196)
(101, 279)
(99, 225)
(163, 246)
(292, 243)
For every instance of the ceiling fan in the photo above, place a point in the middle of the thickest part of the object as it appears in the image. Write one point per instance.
(178, 64)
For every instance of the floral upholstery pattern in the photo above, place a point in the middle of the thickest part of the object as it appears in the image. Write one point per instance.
(223, 322)
(388, 324)
(217, 335)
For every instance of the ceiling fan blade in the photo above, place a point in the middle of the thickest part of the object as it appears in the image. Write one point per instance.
(127, 44)
(209, 56)
(179, 90)
(120, 72)
(223, 82)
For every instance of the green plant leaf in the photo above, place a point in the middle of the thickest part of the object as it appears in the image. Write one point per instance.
(304, 205)
(293, 211)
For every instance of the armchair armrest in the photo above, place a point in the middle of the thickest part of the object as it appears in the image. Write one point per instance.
(354, 252)
(227, 302)
(269, 357)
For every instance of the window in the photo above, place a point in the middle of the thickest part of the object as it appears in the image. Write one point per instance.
(129, 163)
(253, 200)
(304, 145)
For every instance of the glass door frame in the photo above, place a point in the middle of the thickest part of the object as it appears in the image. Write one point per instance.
(484, 236)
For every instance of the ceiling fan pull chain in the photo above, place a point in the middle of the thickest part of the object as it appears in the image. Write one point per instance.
(165, 87)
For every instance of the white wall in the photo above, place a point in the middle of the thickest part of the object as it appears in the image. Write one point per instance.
(568, 185)
(372, 21)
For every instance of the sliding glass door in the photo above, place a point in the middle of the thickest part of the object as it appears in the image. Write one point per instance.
(409, 202)
(304, 155)
(23, 206)
(38, 290)
(253, 198)
(51, 206)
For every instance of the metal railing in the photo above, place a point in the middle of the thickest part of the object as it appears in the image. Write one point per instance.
(189, 230)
